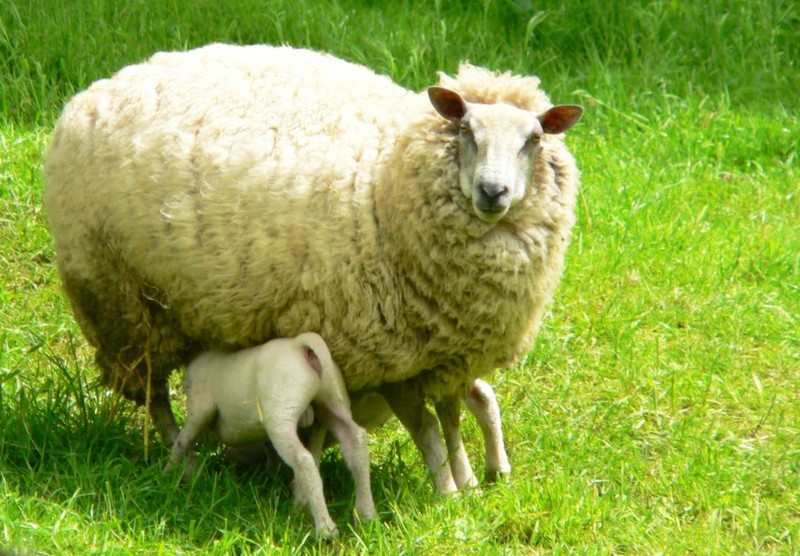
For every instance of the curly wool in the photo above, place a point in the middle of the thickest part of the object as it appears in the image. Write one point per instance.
(225, 196)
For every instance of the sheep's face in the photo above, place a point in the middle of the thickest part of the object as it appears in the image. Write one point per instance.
(498, 145)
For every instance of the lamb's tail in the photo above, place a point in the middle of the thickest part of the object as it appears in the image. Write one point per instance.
(316, 352)
(319, 357)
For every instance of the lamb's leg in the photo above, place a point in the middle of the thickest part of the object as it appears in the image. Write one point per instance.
(315, 443)
(423, 427)
(353, 440)
(482, 403)
(449, 411)
(197, 420)
(282, 430)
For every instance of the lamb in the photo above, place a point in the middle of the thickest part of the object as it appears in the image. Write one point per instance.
(228, 195)
(270, 390)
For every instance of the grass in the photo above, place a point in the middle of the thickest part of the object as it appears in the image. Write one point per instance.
(659, 411)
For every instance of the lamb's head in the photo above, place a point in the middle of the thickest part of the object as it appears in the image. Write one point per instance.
(497, 147)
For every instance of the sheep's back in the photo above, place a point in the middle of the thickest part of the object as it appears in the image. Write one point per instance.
(248, 193)
(235, 182)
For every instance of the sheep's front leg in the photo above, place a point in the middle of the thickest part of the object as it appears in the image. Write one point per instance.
(353, 440)
(410, 408)
(163, 418)
(482, 403)
(449, 411)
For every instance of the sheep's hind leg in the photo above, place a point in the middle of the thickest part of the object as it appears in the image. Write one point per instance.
(449, 411)
(410, 408)
(482, 403)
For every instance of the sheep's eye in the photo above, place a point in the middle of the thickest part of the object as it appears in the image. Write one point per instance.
(465, 133)
(530, 144)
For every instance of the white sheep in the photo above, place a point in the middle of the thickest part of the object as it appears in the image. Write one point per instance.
(224, 196)
(268, 391)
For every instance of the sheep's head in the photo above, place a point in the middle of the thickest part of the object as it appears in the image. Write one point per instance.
(498, 145)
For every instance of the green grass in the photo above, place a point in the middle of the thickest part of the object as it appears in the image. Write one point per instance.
(660, 410)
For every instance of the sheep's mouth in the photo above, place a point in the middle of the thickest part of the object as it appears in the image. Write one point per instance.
(490, 214)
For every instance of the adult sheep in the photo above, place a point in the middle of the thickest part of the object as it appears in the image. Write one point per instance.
(225, 196)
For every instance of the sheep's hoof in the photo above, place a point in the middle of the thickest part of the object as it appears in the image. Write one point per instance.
(471, 483)
(493, 477)
(365, 515)
(365, 523)
(444, 484)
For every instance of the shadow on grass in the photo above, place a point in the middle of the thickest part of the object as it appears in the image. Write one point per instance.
(73, 453)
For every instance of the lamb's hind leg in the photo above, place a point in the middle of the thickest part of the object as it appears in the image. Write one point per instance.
(449, 411)
(353, 440)
(410, 408)
(314, 440)
(482, 403)
(282, 430)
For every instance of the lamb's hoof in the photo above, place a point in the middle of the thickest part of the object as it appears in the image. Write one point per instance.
(365, 523)
(190, 467)
(327, 532)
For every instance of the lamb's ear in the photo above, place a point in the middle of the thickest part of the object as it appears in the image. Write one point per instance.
(447, 103)
(560, 118)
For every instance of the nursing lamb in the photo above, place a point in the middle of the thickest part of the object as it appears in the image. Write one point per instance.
(267, 391)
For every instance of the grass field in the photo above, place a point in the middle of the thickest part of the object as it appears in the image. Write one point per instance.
(660, 410)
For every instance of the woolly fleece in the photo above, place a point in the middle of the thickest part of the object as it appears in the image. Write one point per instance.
(225, 196)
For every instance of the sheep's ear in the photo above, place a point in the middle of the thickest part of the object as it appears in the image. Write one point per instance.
(447, 103)
(560, 118)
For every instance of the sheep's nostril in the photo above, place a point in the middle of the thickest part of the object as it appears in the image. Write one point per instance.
(493, 192)
(491, 200)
